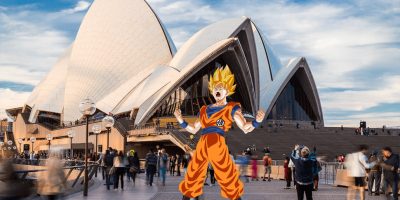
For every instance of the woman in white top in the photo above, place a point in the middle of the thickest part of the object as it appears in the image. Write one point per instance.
(119, 170)
(356, 163)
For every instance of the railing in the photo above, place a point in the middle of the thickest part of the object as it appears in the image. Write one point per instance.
(92, 170)
(328, 173)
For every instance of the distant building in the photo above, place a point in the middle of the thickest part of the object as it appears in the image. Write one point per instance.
(124, 59)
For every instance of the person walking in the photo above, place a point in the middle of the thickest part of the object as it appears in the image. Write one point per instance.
(288, 172)
(129, 159)
(52, 182)
(254, 170)
(374, 175)
(108, 160)
(267, 166)
(119, 170)
(151, 167)
(316, 169)
(134, 164)
(356, 163)
(304, 174)
(172, 165)
(178, 164)
(243, 161)
(163, 159)
(212, 177)
(390, 167)
(185, 162)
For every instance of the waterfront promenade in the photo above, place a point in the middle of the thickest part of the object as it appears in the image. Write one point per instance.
(257, 190)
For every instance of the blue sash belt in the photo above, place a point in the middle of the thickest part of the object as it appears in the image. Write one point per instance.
(213, 129)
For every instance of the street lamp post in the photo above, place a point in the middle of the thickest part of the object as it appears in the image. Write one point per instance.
(96, 130)
(33, 140)
(10, 143)
(49, 137)
(108, 122)
(87, 108)
(71, 134)
(20, 141)
(1, 146)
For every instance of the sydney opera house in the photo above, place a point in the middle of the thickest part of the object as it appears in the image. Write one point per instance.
(125, 61)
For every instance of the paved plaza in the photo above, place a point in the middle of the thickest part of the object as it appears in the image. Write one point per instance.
(257, 190)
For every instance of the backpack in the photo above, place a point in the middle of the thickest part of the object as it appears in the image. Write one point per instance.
(151, 159)
(108, 160)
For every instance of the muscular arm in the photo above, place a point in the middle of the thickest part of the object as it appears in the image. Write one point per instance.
(246, 127)
(191, 128)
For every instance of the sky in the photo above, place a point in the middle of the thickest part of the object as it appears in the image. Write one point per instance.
(352, 47)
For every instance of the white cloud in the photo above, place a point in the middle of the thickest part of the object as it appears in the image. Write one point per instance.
(79, 7)
(343, 42)
(352, 100)
(353, 45)
(30, 44)
(11, 99)
(373, 119)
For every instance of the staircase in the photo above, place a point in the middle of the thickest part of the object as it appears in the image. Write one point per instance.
(329, 142)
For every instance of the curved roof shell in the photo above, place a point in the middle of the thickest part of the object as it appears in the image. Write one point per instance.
(115, 42)
(122, 52)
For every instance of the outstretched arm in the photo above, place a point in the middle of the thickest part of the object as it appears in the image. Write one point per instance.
(248, 126)
(191, 128)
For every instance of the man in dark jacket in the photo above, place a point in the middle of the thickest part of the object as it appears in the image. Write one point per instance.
(151, 167)
(178, 164)
(390, 166)
(304, 171)
(108, 163)
(374, 175)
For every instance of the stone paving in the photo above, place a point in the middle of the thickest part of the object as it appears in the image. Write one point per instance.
(257, 190)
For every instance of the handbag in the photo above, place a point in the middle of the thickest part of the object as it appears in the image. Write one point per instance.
(133, 169)
(112, 171)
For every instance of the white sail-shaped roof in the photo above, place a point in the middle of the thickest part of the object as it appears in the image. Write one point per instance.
(49, 94)
(124, 60)
(116, 40)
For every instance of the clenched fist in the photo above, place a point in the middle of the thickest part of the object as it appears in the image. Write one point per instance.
(260, 116)
(178, 115)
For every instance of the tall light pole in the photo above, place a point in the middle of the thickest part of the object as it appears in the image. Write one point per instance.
(96, 130)
(108, 122)
(33, 140)
(2, 150)
(10, 143)
(49, 137)
(87, 108)
(71, 134)
(20, 141)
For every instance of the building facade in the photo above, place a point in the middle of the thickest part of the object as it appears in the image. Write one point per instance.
(125, 61)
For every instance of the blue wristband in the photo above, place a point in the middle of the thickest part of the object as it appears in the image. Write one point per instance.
(184, 124)
(255, 124)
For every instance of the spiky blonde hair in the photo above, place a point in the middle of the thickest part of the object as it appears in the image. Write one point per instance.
(223, 76)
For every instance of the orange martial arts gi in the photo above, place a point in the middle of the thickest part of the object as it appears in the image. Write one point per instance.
(211, 148)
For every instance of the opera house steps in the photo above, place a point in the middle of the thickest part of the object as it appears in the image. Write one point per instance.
(329, 142)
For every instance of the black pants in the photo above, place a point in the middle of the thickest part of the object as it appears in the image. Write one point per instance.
(374, 176)
(119, 175)
(133, 176)
(294, 176)
(393, 182)
(178, 170)
(150, 171)
(301, 189)
(172, 170)
(212, 177)
(288, 181)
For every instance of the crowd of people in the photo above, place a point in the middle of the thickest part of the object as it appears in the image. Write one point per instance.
(386, 166)
(301, 168)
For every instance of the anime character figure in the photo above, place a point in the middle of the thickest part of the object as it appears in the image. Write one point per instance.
(215, 120)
